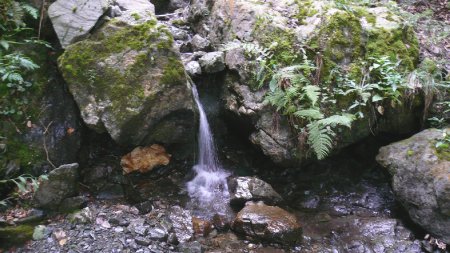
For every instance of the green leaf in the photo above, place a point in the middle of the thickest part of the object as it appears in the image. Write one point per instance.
(273, 83)
(311, 114)
(4, 44)
(30, 10)
(313, 93)
(19, 185)
(345, 119)
(377, 98)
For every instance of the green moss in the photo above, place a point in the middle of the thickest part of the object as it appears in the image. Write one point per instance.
(340, 41)
(136, 16)
(399, 44)
(13, 235)
(173, 73)
(305, 10)
(362, 12)
(87, 64)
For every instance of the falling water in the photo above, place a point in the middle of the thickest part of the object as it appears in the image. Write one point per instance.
(208, 190)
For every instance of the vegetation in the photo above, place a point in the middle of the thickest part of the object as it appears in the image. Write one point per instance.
(26, 185)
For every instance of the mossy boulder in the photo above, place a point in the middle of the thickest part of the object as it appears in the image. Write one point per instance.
(344, 36)
(128, 80)
(421, 179)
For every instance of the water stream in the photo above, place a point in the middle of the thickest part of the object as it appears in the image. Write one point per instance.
(208, 190)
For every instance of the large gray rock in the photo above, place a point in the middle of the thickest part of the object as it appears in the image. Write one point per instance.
(73, 19)
(243, 189)
(128, 81)
(212, 62)
(199, 43)
(269, 223)
(420, 180)
(61, 184)
(193, 68)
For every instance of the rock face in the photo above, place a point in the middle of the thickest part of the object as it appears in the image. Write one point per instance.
(342, 38)
(270, 223)
(420, 179)
(243, 189)
(128, 80)
(61, 184)
(74, 19)
(144, 159)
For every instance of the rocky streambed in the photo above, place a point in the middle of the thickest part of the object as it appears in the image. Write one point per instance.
(343, 204)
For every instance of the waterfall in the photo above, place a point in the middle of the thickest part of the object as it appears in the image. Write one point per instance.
(208, 190)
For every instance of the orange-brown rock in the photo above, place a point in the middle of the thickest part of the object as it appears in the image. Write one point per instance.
(201, 227)
(144, 159)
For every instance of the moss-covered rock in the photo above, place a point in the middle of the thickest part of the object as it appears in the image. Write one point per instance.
(420, 179)
(127, 79)
(334, 34)
(14, 235)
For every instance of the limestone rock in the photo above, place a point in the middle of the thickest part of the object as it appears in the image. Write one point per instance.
(199, 43)
(212, 62)
(193, 68)
(243, 189)
(420, 180)
(128, 80)
(270, 223)
(61, 184)
(135, 12)
(144, 159)
(73, 19)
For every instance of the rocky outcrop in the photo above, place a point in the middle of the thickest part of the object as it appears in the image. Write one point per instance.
(420, 180)
(144, 159)
(128, 81)
(74, 19)
(343, 38)
(271, 223)
(243, 189)
(61, 184)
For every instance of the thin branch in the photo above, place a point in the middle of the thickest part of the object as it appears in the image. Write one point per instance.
(45, 142)
(41, 19)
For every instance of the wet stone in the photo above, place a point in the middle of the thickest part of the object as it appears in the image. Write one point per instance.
(182, 223)
(142, 241)
(157, 233)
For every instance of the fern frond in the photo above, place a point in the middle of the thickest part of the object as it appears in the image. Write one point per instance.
(320, 139)
(345, 119)
(30, 10)
(310, 114)
(312, 93)
(16, 13)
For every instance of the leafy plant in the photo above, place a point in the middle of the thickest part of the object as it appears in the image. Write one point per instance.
(443, 144)
(292, 92)
(26, 185)
(15, 67)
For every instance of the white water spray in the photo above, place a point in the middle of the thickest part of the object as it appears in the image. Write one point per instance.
(208, 190)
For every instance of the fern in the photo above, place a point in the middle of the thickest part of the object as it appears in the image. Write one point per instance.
(320, 139)
(345, 119)
(313, 93)
(310, 113)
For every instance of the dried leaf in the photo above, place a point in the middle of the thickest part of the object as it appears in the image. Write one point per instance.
(380, 109)
(70, 130)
